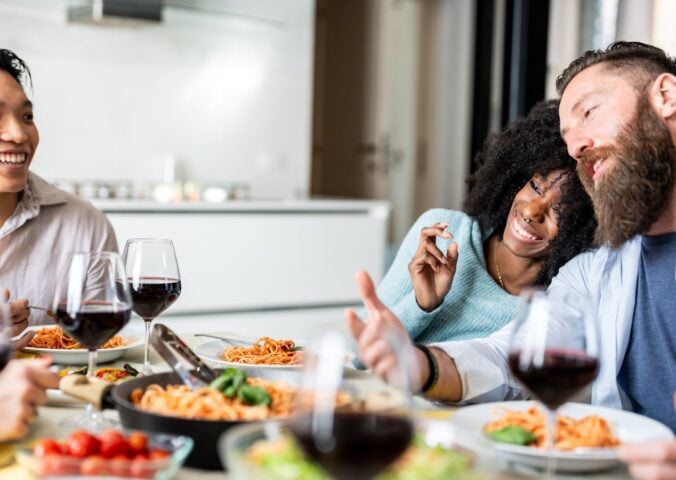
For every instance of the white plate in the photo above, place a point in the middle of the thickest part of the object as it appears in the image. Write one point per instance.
(627, 427)
(79, 356)
(211, 352)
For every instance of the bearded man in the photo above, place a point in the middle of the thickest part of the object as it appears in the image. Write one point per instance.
(618, 119)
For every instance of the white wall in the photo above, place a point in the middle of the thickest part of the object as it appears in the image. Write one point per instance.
(228, 95)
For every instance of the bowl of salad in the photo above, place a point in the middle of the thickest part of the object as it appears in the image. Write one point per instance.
(268, 451)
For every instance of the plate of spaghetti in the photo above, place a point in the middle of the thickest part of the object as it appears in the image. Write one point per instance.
(265, 352)
(51, 340)
(586, 435)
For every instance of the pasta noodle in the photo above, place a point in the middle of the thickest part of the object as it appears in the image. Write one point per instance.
(587, 432)
(208, 404)
(55, 338)
(265, 351)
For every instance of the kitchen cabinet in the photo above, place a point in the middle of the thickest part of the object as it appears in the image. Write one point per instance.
(245, 257)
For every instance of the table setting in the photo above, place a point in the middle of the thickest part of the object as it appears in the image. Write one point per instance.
(223, 404)
(450, 424)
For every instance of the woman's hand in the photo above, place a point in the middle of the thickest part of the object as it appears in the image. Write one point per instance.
(650, 461)
(431, 270)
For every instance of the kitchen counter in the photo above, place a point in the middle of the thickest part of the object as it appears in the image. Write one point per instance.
(333, 205)
(250, 256)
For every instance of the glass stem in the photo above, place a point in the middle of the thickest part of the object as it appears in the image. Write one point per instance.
(91, 364)
(551, 443)
(146, 352)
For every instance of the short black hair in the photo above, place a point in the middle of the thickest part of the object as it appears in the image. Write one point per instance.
(509, 159)
(11, 63)
(639, 62)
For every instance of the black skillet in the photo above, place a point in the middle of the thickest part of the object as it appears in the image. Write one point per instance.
(205, 433)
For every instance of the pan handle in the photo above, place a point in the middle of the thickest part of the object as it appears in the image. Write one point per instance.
(94, 391)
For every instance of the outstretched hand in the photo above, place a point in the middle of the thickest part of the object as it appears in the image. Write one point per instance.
(382, 339)
(431, 270)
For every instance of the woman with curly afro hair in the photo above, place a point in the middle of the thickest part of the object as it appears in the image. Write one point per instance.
(457, 275)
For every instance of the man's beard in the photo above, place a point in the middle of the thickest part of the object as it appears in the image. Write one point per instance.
(632, 193)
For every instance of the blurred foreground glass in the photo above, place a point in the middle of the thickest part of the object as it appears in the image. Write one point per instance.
(348, 439)
(92, 304)
(154, 281)
(554, 352)
(5, 335)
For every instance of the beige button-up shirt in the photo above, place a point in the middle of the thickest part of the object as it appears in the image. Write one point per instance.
(35, 242)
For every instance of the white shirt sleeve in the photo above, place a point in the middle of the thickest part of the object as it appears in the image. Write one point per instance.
(482, 363)
(482, 366)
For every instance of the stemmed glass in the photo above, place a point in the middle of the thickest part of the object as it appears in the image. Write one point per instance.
(92, 303)
(154, 281)
(5, 335)
(346, 441)
(554, 352)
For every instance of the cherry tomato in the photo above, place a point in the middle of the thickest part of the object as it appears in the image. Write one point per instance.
(94, 465)
(58, 465)
(158, 454)
(113, 444)
(82, 444)
(119, 466)
(138, 442)
(47, 446)
(142, 468)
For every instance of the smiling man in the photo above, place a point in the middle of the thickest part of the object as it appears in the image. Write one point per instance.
(618, 118)
(40, 225)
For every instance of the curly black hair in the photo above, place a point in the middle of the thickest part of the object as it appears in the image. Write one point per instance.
(17, 68)
(509, 159)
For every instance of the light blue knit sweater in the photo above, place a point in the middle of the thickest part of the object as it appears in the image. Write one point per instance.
(475, 306)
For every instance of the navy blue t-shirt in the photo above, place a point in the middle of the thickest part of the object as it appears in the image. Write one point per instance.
(648, 373)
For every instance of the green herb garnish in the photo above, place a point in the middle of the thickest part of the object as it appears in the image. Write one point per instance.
(512, 434)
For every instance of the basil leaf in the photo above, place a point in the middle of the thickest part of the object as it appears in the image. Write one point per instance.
(254, 395)
(512, 434)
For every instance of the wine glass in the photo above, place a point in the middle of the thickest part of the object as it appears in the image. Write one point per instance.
(5, 335)
(347, 440)
(554, 352)
(154, 281)
(92, 303)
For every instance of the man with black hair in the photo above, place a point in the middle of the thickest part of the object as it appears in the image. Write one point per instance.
(618, 119)
(40, 225)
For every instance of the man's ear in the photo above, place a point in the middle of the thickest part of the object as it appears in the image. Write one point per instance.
(663, 93)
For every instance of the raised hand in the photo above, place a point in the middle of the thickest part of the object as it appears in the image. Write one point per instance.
(381, 334)
(431, 270)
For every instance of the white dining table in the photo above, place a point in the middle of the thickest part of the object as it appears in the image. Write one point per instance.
(46, 425)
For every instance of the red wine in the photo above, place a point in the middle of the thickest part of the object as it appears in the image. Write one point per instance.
(5, 355)
(94, 324)
(562, 375)
(153, 295)
(363, 444)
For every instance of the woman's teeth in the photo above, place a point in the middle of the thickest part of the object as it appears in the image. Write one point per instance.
(12, 157)
(521, 231)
